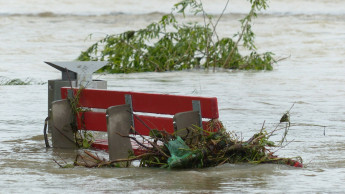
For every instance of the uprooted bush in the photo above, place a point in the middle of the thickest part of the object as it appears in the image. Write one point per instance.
(169, 45)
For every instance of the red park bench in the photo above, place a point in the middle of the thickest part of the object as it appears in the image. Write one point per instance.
(120, 111)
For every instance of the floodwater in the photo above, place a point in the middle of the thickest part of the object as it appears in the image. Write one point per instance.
(311, 34)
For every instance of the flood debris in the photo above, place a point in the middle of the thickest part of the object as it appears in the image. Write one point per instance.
(200, 149)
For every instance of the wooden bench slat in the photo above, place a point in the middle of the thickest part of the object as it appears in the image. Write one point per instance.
(96, 121)
(102, 144)
(171, 104)
(159, 123)
(144, 102)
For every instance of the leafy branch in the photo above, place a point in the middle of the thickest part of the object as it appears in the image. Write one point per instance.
(169, 45)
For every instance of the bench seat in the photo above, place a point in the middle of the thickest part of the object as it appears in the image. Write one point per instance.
(116, 112)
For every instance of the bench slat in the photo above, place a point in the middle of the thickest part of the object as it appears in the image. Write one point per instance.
(144, 102)
(96, 121)
(159, 123)
(102, 144)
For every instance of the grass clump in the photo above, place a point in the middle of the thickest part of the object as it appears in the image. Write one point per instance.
(4, 81)
(10, 82)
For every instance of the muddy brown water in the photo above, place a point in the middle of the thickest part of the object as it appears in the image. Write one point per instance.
(310, 34)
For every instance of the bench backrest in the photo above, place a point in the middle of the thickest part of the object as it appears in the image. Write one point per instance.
(141, 103)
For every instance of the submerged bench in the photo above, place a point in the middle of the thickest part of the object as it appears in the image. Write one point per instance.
(125, 110)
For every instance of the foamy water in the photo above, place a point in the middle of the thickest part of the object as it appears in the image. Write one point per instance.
(310, 33)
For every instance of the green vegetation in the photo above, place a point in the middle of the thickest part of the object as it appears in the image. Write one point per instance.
(169, 45)
(6, 81)
(83, 138)
(201, 149)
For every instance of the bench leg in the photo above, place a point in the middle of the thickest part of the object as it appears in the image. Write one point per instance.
(62, 134)
(184, 121)
(118, 125)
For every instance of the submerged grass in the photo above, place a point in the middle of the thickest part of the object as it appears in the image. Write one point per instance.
(5, 81)
(8, 82)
